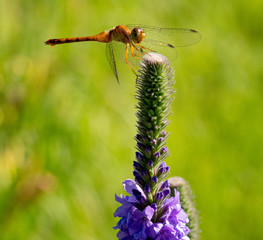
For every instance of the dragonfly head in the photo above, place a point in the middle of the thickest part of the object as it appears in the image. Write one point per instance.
(137, 35)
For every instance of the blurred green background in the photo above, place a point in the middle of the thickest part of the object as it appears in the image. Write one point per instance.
(67, 127)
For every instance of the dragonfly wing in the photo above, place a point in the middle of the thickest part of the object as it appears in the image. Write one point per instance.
(176, 37)
(111, 59)
(165, 40)
(164, 48)
(120, 50)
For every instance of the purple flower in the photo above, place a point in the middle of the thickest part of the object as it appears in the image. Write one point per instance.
(139, 145)
(157, 155)
(154, 206)
(164, 149)
(164, 133)
(147, 188)
(154, 179)
(163, 168)
(137, 165)
(139, 222)
(149, 211)
(147, 150)
(167, 232)
(132, 188)
(138, 136)
(122, 211)
(139, 156)
(150, 163)
(159, 196)
(166, 192)
(164, 185)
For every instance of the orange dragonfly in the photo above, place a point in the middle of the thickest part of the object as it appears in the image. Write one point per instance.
(131, 42)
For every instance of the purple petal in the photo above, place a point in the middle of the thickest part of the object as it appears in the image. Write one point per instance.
(154, 229)
(164, 149)
(154, 206)
(161, 170)
(148, 212)
(136, 213)
(159, 196)
(138, 195)
(139, 145)
(137, 165)
(135, 227)
(172, 203)
(147, 150)
(135, 173)
(147, 188)
(123, 235)
(130, 185)
(164, 185)
(165, 215)
(122, 224)
(164, 133)
(125, 200)
(182, 216)
(120, 212)
(150, 163)
(139, 180)
(166, 233)
(139, 156)
(166, 192)
(176, 196)
(143, 172)
(163, 164)
(118, 199)
(154, 179)
(185, 238)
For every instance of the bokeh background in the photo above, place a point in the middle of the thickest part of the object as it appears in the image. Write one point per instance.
(67, 127)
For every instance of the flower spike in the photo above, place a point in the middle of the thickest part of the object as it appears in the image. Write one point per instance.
(151, 211)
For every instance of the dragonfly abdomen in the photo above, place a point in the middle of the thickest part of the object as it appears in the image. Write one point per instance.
(101, 37)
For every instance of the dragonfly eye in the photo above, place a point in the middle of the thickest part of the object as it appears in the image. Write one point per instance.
(137, 35)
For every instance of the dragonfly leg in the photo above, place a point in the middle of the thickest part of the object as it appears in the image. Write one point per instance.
(128, 63)
(131, 43)
(137, 44)
(141, 52)
(133, 53)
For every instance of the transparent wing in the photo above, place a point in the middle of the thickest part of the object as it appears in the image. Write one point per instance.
(120, 49)
(111, 59)
(169, 37)
(165, 40)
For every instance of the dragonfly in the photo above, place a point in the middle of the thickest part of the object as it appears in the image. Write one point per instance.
(130, 43)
